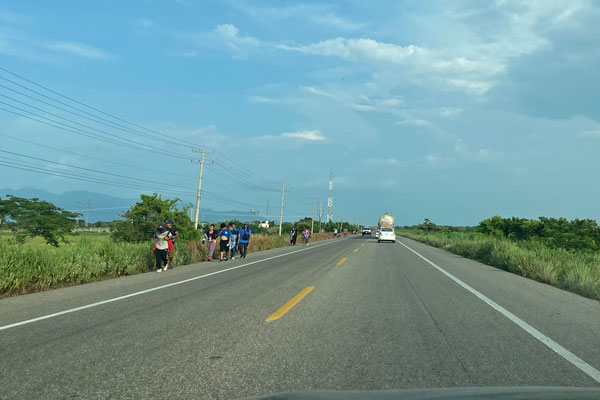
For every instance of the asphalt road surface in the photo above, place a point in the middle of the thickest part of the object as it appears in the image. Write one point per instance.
(343, 314)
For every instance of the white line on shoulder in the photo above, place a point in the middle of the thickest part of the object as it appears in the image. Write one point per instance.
(554, 346)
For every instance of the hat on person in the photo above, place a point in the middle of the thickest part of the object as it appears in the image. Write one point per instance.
(246, 223)
(169, 221)
(223, 225)
(161, 227)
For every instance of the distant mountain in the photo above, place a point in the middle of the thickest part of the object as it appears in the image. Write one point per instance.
(104, 207)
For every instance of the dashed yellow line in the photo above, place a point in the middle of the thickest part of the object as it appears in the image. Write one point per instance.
(355, 250)
(290, 304)
(342, 260)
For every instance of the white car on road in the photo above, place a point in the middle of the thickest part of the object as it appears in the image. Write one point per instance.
(386, 234)
(366, 231)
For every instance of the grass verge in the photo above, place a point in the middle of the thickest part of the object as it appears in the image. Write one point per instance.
(576, 271)
(26, 269)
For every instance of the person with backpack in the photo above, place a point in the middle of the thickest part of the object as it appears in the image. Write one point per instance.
(225, 237)
(161, 247)
(174, 236)
(211, 241)
(235, 233)
(245, 235)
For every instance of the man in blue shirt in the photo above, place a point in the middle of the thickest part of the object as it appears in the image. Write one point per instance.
(244, 240)
(235, 234)
(225, 236)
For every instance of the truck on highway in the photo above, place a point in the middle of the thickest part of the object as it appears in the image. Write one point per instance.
(385, 231)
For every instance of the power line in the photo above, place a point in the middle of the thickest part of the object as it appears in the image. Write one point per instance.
(111, 162)
(85, 133)
(82, 104)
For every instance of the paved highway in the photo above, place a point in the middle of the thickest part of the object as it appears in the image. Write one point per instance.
(344, 314)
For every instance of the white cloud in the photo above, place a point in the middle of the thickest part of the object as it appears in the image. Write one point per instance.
(231, 36)
(337, 22)
(80, 50)
(450, 112)
(417, 122)
(315, 13)
(379, 161)
(359, 102)
(190, 54)
(308, 136)
(433, 66)
(594, 133)
(263, 99)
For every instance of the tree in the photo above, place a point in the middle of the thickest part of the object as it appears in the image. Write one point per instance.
(141, 220)
(28, 218)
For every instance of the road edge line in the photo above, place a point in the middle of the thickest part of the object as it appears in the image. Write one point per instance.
(114, 299)
(551, 344)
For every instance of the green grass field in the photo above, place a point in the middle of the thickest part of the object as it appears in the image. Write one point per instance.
(39, 242)
(576, 271)
(36, 266)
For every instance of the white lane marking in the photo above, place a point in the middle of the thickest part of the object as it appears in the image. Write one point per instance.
(71, 310)
(557, 348)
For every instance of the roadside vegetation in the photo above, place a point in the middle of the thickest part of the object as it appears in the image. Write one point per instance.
(562, 253)
(35, 259)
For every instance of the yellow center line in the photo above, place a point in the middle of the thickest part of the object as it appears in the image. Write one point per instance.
(355, 250)
(290, 304)
(341, 261)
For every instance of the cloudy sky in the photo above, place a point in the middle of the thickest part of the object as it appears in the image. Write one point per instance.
(453, 111)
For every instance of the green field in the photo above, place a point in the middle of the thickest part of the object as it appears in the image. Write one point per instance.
(36, 266)
(73, 239)
(574, 270)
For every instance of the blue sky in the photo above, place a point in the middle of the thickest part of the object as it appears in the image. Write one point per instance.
(453, 111)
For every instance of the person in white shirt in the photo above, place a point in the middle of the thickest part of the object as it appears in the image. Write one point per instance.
(161, 248)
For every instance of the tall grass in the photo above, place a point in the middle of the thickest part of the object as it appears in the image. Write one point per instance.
(576, 271)
(26, 269)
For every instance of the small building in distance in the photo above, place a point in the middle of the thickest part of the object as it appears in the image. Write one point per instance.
(264, 224)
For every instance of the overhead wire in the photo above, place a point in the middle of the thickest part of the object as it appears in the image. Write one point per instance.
(80, 103)
(235, 172)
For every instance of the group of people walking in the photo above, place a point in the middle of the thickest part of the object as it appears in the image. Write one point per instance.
(231, 240)
(306, 234)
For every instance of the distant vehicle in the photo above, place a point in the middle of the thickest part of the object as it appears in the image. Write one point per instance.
(385, 231)
(366, 231)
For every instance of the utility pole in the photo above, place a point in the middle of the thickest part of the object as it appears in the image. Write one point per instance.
(87, 215)
(312, 221)
(199, 193)
(281, 210)
(320, 212)
(330, 198)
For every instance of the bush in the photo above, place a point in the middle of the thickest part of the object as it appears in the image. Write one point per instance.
(576, 271)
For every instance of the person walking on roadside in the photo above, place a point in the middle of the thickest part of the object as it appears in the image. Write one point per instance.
(235, 233)
(245, 235)
(225, 237)
(294, 236)
(211, 241)
(161, 248)
(174, 236)
(305, 236)
(308, 235)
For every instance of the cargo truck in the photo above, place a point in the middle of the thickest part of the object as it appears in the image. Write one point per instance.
(385, 231)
